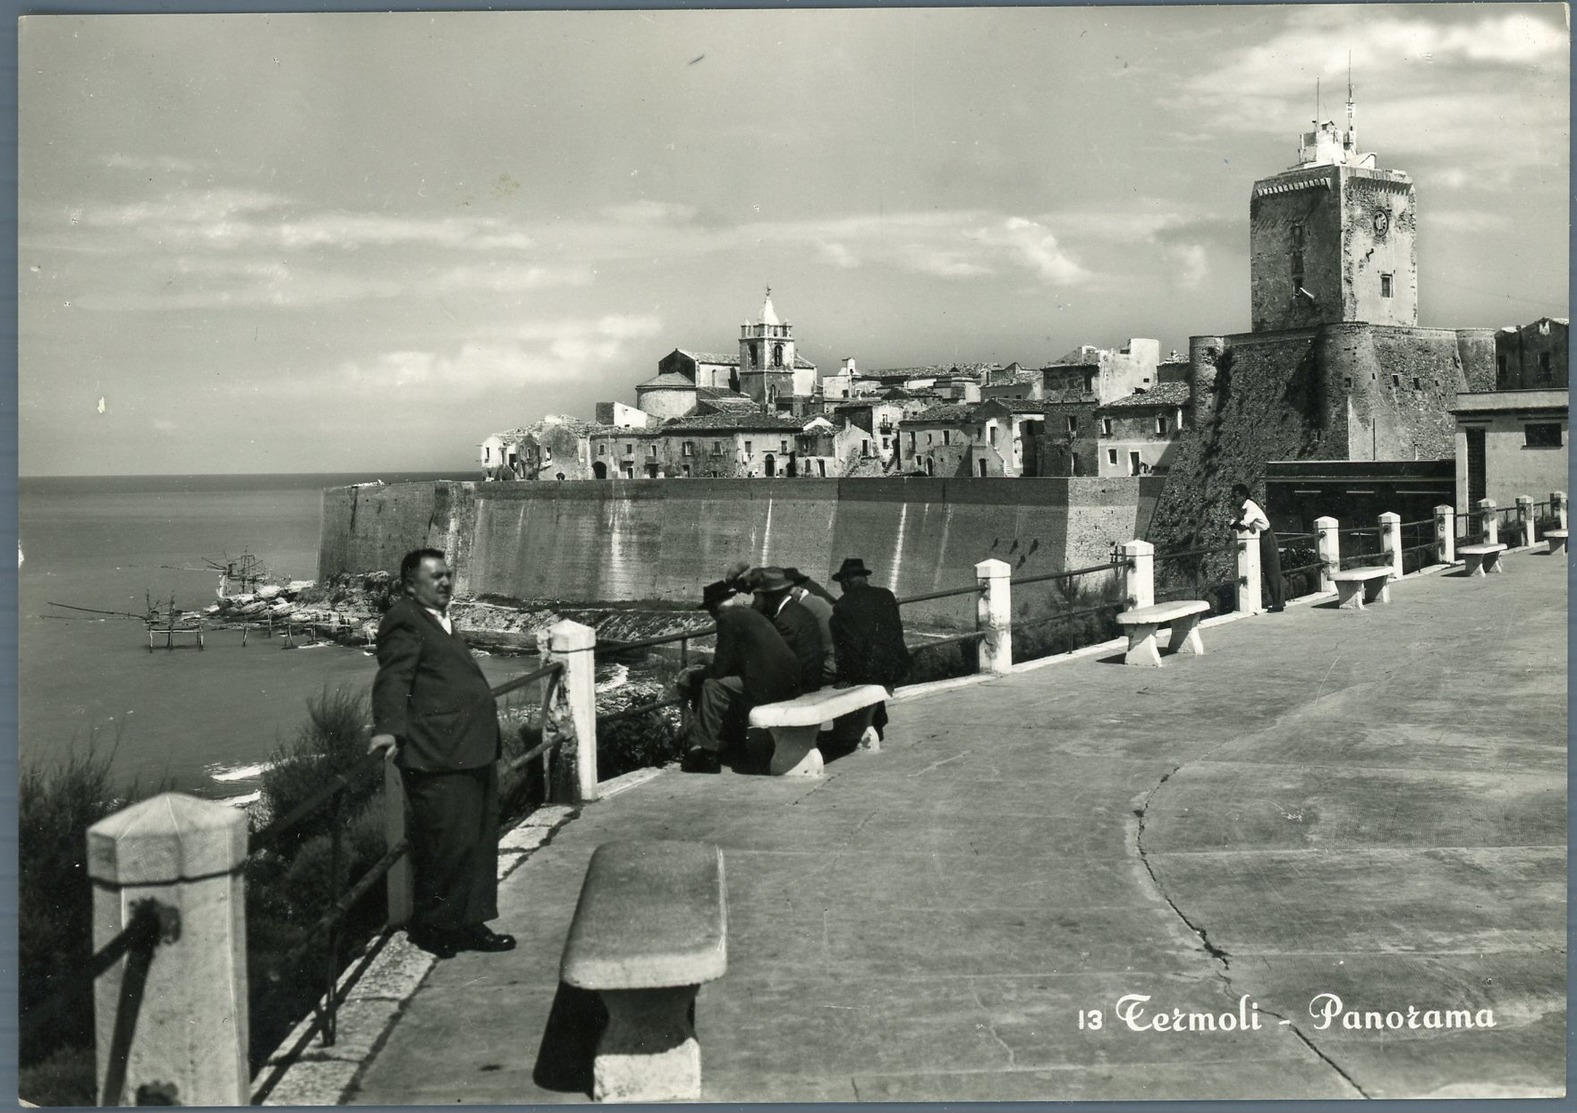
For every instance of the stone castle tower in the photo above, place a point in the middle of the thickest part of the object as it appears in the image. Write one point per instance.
(766, 356)
(1333, 239)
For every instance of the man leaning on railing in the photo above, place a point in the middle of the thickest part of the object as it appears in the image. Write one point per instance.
(434, 711)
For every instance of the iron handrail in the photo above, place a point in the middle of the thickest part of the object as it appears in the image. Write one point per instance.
(972, 589)
(642, 709)
(1063, 616)
(1109, 566)
(1303, 568)
(1218, 550)
(521, 681)
(1420, 522)
(614, 646)
(973, 635)
(364, 767)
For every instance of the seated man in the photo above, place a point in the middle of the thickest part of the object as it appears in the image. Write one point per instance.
(775, 599)
(751, 666)
(805, 594)
(867, 638)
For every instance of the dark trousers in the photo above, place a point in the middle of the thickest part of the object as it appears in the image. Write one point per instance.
(722, 714)
(454, 846)
(1270, 568)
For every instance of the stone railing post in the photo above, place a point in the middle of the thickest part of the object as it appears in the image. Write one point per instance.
(1558, 506)
(1445, 534)
(399, 882)
(572, 712)
(1391, 542)
(1250, 595)
(1525, 520)
(1139, 574)
(189, 1038)
(1488, 522)
(1328, 547)
(994, 615)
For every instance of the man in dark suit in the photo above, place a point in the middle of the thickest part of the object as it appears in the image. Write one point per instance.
(752, 665)
(867, 640)
(793, 620)
(434, 711)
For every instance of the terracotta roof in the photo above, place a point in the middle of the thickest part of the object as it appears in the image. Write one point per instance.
(937, 415)
(670, 380)
(710, 357)
(1165, 394)
(737, 421)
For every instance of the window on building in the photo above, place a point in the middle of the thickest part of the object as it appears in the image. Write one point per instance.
(684, 471)
(865, 449)
(947, 436)
(1111, 455)
(1133, 463)
(602, 449)
(1500, 368)
(1106, 426)
(1396, 380)
(911, 443)
(651, 450)
(991, 433)
(1418, 384)
(1347, 382)
(1073, 424)
(547, 455)
(687, 450)
(1542, 436)
(928, 438)
(1385, 285)
(1160, 426)
(717, 446)
(783, 446)
(748, 448)
(1544, 367)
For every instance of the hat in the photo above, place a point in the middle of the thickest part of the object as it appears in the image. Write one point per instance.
(795, 576)
(736, 572)
(852, 566)
(715, 593)
(769, 580)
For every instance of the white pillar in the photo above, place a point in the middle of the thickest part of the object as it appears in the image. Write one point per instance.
(1250, 597)
(1139, 575)
(572, 712)
(1328, 547)
(1445, 534)
(1488, 522)
(1391, 542)
(994, 615)
(1558, 506)
(1525, 520)
(189, 1045)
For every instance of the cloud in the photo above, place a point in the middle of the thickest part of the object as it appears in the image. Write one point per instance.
(651, 212)
(1031, 245)
(1188, 264)
(165, 164)
(1470, 220)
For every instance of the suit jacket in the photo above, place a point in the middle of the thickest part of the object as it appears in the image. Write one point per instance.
(802, 633)
(749, 647)
(867, 637)
(821, 610)
(431, 695)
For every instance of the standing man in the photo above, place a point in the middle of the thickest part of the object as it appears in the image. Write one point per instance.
(751, 666)
(867, 639)
(1253, 520)
(434, 711)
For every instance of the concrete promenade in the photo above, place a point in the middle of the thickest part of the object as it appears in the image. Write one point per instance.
(1367, 804)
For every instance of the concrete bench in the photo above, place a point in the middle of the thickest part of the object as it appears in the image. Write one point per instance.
(650, 927)
(794, 724)
(1482, 558)
(1142, 622)
(1357, 586)
(1557, 540)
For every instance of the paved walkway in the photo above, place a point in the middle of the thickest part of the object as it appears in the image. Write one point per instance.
(1366, 804)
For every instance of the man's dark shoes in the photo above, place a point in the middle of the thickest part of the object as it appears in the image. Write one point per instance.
(483, 938)
(439, 944)
(698, 759)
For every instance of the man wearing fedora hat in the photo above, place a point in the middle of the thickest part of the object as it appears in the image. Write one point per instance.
(751, 666)
(820, 608)
(867, 640)
(774, 598)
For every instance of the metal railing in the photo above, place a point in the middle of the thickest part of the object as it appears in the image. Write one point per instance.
(1187, 575)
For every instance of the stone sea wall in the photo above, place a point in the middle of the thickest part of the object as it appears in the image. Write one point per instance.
(640, 540)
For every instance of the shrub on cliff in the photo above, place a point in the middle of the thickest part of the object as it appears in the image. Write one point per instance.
(332, 741)
(55, 807)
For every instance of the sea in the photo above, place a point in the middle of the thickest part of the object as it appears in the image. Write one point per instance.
(204, 721)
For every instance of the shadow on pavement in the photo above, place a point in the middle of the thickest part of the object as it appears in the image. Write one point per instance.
(569, 1041)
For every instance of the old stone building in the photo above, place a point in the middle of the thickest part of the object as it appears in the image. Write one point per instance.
(1138, 434)
(1533, 356)
(1336, 367)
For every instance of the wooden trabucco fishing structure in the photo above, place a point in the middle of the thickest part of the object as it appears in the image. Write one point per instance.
(173, 628)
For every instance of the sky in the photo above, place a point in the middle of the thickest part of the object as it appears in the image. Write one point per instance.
(361, 242)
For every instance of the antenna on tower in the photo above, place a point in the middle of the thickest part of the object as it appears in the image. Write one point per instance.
(1316, 100)
(1352, 127)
